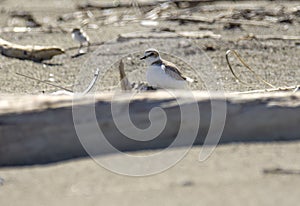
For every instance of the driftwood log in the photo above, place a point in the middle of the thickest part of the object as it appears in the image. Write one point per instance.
(270, 37)
(187, 34)
(128, 4)
(29, 52)
(40, 129)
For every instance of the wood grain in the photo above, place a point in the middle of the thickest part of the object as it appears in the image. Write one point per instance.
(40, 129)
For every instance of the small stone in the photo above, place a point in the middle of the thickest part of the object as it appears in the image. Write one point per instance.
(51, 79)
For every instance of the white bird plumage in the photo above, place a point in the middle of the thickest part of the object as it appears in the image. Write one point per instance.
(163, 74)
(80, 36)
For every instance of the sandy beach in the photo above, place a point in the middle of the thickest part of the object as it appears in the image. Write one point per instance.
(264, 32)
(233, 175)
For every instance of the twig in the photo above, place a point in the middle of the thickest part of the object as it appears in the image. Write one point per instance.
(270, 37)
(125, 84)
(280, 171)
(113, 5)
(128, 4)
(201, 19)
(196, 19)
(91, 45)
(244, 22)
(87, 90)
(93, 82)
(32, 78)
(190, 34)
(258, 77)
(277, 37)
(278, 89)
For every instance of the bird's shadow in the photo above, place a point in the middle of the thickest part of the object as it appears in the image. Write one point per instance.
(78, 55)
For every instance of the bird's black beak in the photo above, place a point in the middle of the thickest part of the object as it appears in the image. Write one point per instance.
(144, 57)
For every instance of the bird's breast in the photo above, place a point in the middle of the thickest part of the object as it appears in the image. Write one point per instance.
(157, 77)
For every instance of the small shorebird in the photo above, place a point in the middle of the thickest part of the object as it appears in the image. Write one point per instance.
(80, 36)
(163, 74)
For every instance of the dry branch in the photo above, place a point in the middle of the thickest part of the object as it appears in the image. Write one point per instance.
(270, 37)
(125, 84)
(112, 5)
(128, 4)
(195, 19)
(200, 19)
(40, 129)
(244, 22)
(29, 52)
(278, 89)
(237, 55)
(188, 34)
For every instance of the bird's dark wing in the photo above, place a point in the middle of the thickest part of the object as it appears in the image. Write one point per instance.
(172, 70)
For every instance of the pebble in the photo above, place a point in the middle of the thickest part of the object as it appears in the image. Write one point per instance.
(51, 79)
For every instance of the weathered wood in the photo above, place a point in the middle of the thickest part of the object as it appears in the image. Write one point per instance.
(278, 89)
(270, 37)
(30, 52)
(188, 34)
(125, 84)
(189, 18)
(128, 4)
(218, 20)
(40, 129)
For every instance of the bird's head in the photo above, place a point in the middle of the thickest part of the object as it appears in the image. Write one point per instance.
(150, 56)
(76, 31)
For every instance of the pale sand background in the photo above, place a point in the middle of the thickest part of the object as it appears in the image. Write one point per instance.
(233, 175)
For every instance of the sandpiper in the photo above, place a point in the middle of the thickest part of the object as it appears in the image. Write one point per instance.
(163, 74)
(80, 36)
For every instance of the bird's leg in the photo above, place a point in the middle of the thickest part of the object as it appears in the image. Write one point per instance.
(80, 47)
(88, 46)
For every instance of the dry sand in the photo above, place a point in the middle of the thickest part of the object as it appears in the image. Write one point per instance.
(276, 60)
(233, 175)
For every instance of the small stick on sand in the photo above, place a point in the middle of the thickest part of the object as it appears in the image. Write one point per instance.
(269, 37)
(45, 82)
(281, 171)
(125, 84)
(258, 77)
(278, 89)
(87, 90)
(128, 4)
